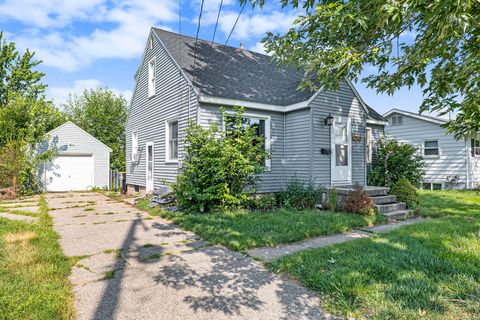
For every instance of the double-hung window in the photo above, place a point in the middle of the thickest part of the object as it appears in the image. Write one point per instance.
(260, 125)
(151, 77)
(475, 148)
(172, 141)
(134, 145)
(430, 148)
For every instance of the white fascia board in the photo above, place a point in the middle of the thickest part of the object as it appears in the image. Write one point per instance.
(379, 122)
(414, 115)
(252, 105)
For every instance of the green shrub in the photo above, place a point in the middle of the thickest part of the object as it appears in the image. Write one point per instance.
(358, 201)
(405, 192)
(300, 194)
(394, 161)
(263, 202)
(332, 199)
(221, 168)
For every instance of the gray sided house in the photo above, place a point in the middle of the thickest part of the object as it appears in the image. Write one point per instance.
(81, 162)
(451, 164)
(179, 81)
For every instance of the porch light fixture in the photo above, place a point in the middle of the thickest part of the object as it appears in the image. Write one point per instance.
(328, 120)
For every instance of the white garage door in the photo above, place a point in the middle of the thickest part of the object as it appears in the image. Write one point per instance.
(69, 173)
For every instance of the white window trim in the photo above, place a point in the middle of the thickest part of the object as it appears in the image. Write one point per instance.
(134, 151)
(167, 139)
(150, 143)
(152, 90)
(431, 156)
(472, 149)
(369, 144)
(268, 139)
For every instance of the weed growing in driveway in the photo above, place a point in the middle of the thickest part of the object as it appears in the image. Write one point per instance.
(79, 216)
(148, 245)
(117, 252)
(89, 209)
(75, 259)
(109, 275)
(100, 222)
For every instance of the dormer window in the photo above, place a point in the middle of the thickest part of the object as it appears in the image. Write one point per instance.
(151, 78)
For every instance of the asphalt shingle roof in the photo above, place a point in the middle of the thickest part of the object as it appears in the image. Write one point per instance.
(234, 73)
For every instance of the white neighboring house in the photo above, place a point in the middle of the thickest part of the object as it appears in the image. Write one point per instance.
(82, 161)
(451, 164)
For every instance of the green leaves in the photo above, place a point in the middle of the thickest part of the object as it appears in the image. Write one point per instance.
(432, 44)
(103, 114)
(221, 166)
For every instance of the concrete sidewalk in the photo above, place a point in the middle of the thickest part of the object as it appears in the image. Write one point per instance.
(133, 266)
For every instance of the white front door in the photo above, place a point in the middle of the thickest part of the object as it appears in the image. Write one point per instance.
(149, 167)
(69, 173)
(341, 137)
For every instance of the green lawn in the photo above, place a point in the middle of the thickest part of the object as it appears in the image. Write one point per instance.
(33, 271)
(428, 270)
(242, 229)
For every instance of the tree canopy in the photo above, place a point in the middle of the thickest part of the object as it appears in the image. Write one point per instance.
(336, 39)
(25, 114)
(103, 114)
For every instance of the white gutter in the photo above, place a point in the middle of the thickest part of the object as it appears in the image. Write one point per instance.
(379, 122)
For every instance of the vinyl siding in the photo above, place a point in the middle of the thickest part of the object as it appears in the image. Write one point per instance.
(273, 179)
(341, 103)
(70, 139)
(298, 148)
(174, 99)
(452, 158)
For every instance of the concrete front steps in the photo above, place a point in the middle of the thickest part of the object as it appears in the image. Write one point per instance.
(386, 205)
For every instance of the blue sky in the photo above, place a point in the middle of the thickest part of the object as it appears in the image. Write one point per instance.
(93, 43)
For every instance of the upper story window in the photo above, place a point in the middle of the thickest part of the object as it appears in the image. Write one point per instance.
(261, 127)
(475, 148)
(172, 141)
(396, 120)
(151, 77)
(430, 148)
(134, 145)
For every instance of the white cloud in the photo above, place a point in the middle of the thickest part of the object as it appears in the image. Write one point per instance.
(258, 47)
(60, 94)
(131, 21)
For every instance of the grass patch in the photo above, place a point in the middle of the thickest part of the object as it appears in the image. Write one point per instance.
(89, 209)
(75, 259)
(117, 252)
(33, 271)
(100, 222)
(241, 229)
(430, 269)
(22, 213)
(148, 245)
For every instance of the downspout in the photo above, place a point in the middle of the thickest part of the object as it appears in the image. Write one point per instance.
(285, 149)
(467, 164)
(311, 143)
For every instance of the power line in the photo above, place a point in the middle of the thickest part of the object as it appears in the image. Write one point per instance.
(234, 25)
(196, 39)
(216, 23)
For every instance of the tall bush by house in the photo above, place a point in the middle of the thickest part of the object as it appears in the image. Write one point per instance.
(395, 161)
(221, 167)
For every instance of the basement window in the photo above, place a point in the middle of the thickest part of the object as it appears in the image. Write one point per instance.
(432, 186)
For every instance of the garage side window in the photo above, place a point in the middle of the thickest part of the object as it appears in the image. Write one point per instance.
(172, 140)
(134, 145)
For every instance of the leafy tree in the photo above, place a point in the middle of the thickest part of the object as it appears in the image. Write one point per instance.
(221, 167)
(395, 161)
(103, 114)
(25, 117)
(25, 114)
(336, 39)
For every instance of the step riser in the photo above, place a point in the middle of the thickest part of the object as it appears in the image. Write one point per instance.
(396, 215)
(377, 192)
(384, 199)
(385, 208)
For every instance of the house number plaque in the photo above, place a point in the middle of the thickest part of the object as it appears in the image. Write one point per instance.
(357, 138)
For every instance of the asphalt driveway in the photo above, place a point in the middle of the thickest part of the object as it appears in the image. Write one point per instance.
(130, 265)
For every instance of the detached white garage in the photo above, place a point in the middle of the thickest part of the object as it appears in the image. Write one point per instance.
(82, 161)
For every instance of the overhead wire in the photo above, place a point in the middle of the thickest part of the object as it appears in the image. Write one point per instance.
(236, 21)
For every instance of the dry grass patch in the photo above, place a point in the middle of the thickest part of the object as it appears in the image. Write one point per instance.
(20, 236)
